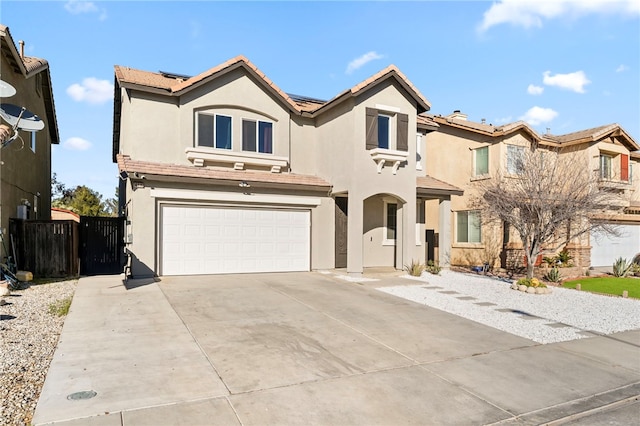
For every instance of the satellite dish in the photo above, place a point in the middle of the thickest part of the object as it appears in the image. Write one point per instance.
(6, 89)
(20, 118)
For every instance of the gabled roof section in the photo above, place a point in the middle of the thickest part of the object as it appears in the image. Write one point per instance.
(170, 85)
(582, 136)
(28, 67)
(391, 72)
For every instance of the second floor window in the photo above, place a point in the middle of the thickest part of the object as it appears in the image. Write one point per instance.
(481, 161)
(605, 166)
(387, 130)
(257, 136)
(515, 157)
(214, 131)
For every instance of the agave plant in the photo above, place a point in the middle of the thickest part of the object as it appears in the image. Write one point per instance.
(621, 267)
(553, 275)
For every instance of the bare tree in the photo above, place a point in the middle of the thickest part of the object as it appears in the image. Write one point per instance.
(549, 198)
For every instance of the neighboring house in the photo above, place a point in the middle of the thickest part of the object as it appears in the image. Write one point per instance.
(224, 173)
(463, 152)
(64, 214)
(25, 167)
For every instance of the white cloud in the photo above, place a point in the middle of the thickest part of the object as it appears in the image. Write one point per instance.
(362, 60)
(574, 81)
(532, 13)
(537, 115)
(622, 68)
(535, 90)
(77, 7)
(91, 90)
(77, 144)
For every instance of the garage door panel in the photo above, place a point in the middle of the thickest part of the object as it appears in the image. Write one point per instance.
(605, 249)
(209, 240)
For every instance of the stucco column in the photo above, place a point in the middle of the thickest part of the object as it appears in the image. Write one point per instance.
(444, 239)
(406, 247)
(354, 237)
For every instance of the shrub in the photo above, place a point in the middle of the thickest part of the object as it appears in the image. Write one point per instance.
(621, 267)
(530, 282)
(415, 268)
(553, 275)
(564, 258)
(60, 307)
(433, 268)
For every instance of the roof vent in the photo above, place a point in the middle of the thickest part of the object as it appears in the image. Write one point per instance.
(548, 130)
(21, 43)
(483, 120)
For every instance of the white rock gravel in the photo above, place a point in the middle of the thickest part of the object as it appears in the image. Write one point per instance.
(28, 338)
(544, 318)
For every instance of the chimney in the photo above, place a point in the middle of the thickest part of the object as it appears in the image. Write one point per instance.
(21, 43)
(457, 115)
(548, 130)
(483, 120)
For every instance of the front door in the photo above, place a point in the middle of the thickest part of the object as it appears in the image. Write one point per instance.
(341, 232)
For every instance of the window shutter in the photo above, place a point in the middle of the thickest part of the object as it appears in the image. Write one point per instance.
(372, 128)
(402, 141)
(624, 167)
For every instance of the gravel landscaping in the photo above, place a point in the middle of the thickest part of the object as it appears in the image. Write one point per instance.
(28, 338)
(544, 318)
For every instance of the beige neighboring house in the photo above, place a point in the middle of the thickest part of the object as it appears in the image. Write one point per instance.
(25, 167)
(463, 152)
(64, 214)
(224, 172)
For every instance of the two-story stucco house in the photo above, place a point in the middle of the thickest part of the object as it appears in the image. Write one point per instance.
(25, 166)
(224, 172)
(464, 152)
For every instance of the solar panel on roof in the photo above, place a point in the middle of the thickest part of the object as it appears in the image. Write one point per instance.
(299, 98)
(174, 75)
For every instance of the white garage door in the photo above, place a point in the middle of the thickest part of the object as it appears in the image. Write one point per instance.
(606, 249)
(215, 240)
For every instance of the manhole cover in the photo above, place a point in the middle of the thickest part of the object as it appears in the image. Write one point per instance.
(81, 395)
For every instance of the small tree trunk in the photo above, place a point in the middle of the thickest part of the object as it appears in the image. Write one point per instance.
(530, 267)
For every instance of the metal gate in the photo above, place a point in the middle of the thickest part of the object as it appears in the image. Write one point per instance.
(101, 245)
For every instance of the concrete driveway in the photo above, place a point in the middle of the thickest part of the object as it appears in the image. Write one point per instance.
(308, 348)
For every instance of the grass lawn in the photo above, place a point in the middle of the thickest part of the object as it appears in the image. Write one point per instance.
(607, 285)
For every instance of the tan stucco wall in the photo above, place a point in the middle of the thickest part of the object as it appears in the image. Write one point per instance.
(25, 174)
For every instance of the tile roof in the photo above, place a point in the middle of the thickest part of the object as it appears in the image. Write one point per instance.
(428, 184)
(592, 134)
(426, 120)
(126, 164)
(173, 85)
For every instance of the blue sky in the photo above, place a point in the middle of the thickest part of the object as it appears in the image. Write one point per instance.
(565, 65)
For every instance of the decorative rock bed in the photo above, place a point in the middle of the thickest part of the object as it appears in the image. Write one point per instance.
(530, 289)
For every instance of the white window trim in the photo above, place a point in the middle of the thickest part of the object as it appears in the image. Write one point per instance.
(466, 243)
(391, 128)
(257, 121)
(199, 156)
(381, 156)
(475, 151)
(510, 147)
(610, 157)
(215, 124)
(385, 240)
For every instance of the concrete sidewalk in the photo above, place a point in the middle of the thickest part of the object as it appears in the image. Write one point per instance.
(312, 349)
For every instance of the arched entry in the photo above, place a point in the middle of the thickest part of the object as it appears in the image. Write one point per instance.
(382, 231)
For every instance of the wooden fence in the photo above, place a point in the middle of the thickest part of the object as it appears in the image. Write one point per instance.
(49, 249)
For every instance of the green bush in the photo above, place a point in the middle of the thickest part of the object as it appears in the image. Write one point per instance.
(530, 282)
(433, 268)
(415, 268)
